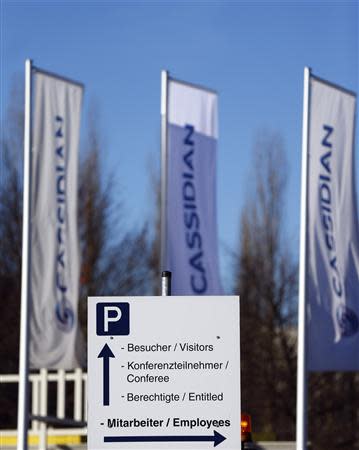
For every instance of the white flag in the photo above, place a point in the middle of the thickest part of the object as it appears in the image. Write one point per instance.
(332, 274)
(54, 241)
(191, 247)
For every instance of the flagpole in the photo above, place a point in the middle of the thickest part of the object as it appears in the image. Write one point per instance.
(302, 378)
(23, 397)
(163, 230)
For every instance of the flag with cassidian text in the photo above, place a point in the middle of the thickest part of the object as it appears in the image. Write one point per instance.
(332, 268)
(191, 246)
(54, 268)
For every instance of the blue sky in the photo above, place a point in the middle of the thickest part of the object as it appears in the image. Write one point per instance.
(252, 53)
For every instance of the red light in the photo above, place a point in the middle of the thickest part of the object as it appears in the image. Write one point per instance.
(246, 425)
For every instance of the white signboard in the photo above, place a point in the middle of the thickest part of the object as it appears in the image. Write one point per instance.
(163, 373)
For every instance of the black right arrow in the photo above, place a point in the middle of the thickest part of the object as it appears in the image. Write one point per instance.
(217, 438)
(106, 354)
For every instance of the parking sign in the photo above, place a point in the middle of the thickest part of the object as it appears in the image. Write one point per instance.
(112, 319)
(163, 373)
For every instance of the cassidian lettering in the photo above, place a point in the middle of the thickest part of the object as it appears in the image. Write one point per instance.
(192, 222)
(63, 310)
(347, 320)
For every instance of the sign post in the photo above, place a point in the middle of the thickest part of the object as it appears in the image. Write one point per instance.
(163, 373)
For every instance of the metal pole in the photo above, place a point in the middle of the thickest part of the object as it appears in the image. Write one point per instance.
(163, 230)
(166, 283)
(302, 388)
(23, 398)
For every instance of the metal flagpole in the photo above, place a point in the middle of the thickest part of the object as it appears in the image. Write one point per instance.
(164, 104)
(23, 398)
(166, 283)
(302, 388)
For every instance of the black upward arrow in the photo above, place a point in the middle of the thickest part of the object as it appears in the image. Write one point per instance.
(217, 438)
(106, 354)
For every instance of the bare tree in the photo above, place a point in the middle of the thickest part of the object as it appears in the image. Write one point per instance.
(11, 228)
(115, 261)
(155, 237)
(333, 418)
(266, 279)
(10, 247)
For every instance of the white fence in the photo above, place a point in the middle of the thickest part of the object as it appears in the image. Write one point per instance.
(42, 433)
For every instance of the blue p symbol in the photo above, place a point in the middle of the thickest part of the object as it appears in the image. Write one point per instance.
(112, 319)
